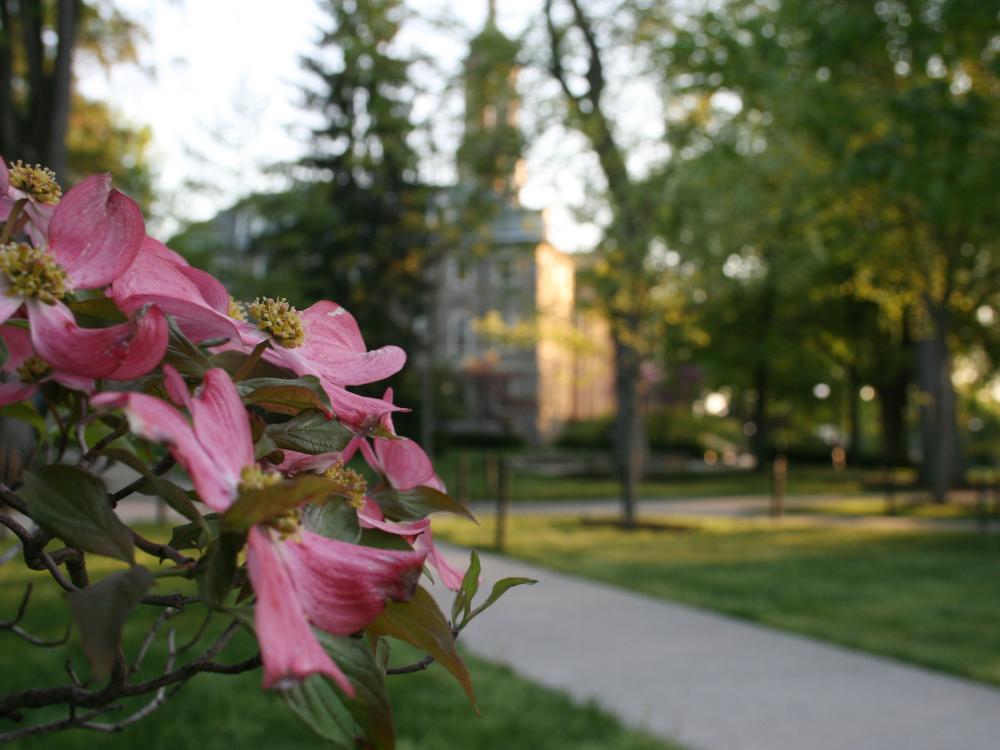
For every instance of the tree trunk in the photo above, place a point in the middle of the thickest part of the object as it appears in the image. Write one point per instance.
(629, 431)
(853, 415)
(939, 435)
(760, 440)
(892, 419)
(60, 88)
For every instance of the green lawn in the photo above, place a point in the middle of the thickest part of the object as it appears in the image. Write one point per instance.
(930, 598)
(529, 485)
(874, 506)
(216, 712)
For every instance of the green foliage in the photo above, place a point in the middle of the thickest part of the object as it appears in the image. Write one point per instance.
(310, 431)
(73, 505)
(100, 612)
(420, 623)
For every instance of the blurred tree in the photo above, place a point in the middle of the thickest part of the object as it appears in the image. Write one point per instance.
(43, 119)
(625, 281)
(902, 99)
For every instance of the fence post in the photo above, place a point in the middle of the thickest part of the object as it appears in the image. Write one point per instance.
(890, 491)
(490, 475)
(462, 478)
(778, 476)
(503, 501)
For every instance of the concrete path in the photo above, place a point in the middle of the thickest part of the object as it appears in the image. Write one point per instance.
(715, 683)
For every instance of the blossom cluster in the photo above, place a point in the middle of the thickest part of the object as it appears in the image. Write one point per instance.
(293, 474)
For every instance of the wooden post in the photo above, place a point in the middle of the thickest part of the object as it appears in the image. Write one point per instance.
(161, 512)
(490, 481)
(503, 502)
(462, 478)
(889, 486)
(778, 477)
(982, 505)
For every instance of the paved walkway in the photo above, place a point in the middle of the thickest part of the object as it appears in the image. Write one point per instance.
(715, 683)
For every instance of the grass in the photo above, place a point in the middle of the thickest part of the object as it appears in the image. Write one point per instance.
(873, 506)
(932, 598)
(215, 712)
(531, 485)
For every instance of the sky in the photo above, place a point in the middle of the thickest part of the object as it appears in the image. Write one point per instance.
(219, 82)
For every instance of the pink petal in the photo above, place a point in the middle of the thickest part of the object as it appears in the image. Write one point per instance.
(156, 420)
(146, 346)
(95, 232)
(361, 412)
(450, 577)
(121, 351)
(334, 349)
(73, 382)
(221, 424)
(297, 463)
(371, 517)
(8, 304)
(155, 247)
(19, 348)
(152, 278)
(211, 289)
(343, 587)
(404, 462)
(13, 393)
(39, 218)
(288, 647)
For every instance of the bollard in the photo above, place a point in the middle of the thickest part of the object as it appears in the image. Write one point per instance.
(778, 476)
(462, 478)
(490, 482)
(161, 512)
(503, 502)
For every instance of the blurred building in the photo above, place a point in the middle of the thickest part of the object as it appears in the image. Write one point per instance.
(506, 314)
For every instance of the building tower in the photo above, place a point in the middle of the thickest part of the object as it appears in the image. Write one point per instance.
(492, 144)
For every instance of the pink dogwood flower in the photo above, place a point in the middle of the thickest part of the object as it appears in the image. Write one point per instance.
(93, 236)
(301, 579)
(30, 370)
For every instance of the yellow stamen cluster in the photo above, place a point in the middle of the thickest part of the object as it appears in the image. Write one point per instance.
(33, 369)
(279, 319)
(37, 181)
(287, 524)
(349, 483)
(236, 310)
(33, 273)
(253, 477)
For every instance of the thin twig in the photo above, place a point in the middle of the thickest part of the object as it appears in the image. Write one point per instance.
(150, 636)
(162, 551)
(14, 625)
(164, 465)
(91, 453)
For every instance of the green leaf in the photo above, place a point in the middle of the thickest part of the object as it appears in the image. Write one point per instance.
(193, 535)
(310, 432)
(318, 704)
(421, 623)
(264, 446)
(73, 505)
(416, 503)
(383, 540)
(256, 506)
(174, 495)
(499, 589)
(97, 311)
(183, 354)
(334, 519)
(4, 354)
(285, 396)
(100, 611)
(216, 569)
(467, 591)
(232, 361)
(369, 720)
